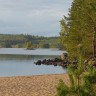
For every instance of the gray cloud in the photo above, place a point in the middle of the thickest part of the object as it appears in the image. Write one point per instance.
(36, 17)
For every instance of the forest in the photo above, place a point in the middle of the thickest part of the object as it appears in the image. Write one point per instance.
(23, 41)
(78, 36)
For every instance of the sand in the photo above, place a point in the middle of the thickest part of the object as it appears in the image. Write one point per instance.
(41, 85)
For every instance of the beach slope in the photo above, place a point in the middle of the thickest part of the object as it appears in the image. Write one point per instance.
(41, 85)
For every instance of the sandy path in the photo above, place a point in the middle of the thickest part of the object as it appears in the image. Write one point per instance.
(43, 85)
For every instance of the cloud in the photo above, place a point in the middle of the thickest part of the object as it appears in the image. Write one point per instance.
(36, 17)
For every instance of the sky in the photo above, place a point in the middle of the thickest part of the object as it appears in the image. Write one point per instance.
(34, 17)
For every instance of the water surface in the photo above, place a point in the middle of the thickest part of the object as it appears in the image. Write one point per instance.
(20, 62)
(23, 51)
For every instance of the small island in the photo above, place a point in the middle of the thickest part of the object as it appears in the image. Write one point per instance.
(29, 46)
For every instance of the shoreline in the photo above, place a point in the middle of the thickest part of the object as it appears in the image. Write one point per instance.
(35, 85)
(23, 51)
(31, 75)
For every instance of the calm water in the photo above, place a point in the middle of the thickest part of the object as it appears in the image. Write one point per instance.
(20, 62)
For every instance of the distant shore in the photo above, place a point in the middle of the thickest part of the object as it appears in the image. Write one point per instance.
(40, 85)
(23, 51)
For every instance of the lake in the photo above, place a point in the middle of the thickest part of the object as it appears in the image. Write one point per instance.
(20, 62)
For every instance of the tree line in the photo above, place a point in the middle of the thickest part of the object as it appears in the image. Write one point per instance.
(23, 41)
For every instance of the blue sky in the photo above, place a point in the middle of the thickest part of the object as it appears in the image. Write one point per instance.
(35, 17)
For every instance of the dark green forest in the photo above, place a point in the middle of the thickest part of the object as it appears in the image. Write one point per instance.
(23, 41)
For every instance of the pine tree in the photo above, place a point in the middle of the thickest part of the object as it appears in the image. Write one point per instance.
(82, 83)
(80, 28)
(78, 36)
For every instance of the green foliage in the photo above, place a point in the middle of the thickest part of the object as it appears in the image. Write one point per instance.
(80, 28)
(78, 36)
(46, 45)
(81, 83)
(29, 45)
(7, 40)
(62, 89)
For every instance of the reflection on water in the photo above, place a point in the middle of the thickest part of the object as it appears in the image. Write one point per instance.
(25, 57)
(23, 65)
(22, 51)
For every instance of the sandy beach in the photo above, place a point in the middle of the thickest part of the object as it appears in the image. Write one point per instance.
(41, 85)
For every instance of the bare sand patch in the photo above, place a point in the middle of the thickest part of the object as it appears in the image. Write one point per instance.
(41, 85)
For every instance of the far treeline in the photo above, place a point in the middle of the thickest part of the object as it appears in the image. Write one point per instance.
(28, 41)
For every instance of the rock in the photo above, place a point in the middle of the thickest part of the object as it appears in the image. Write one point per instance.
(38, 62)
(44, 61)
(63, 56)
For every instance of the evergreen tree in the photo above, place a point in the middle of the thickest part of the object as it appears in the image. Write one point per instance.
(76, 30)
(82, 83)
(29, 45)
(80, 28)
